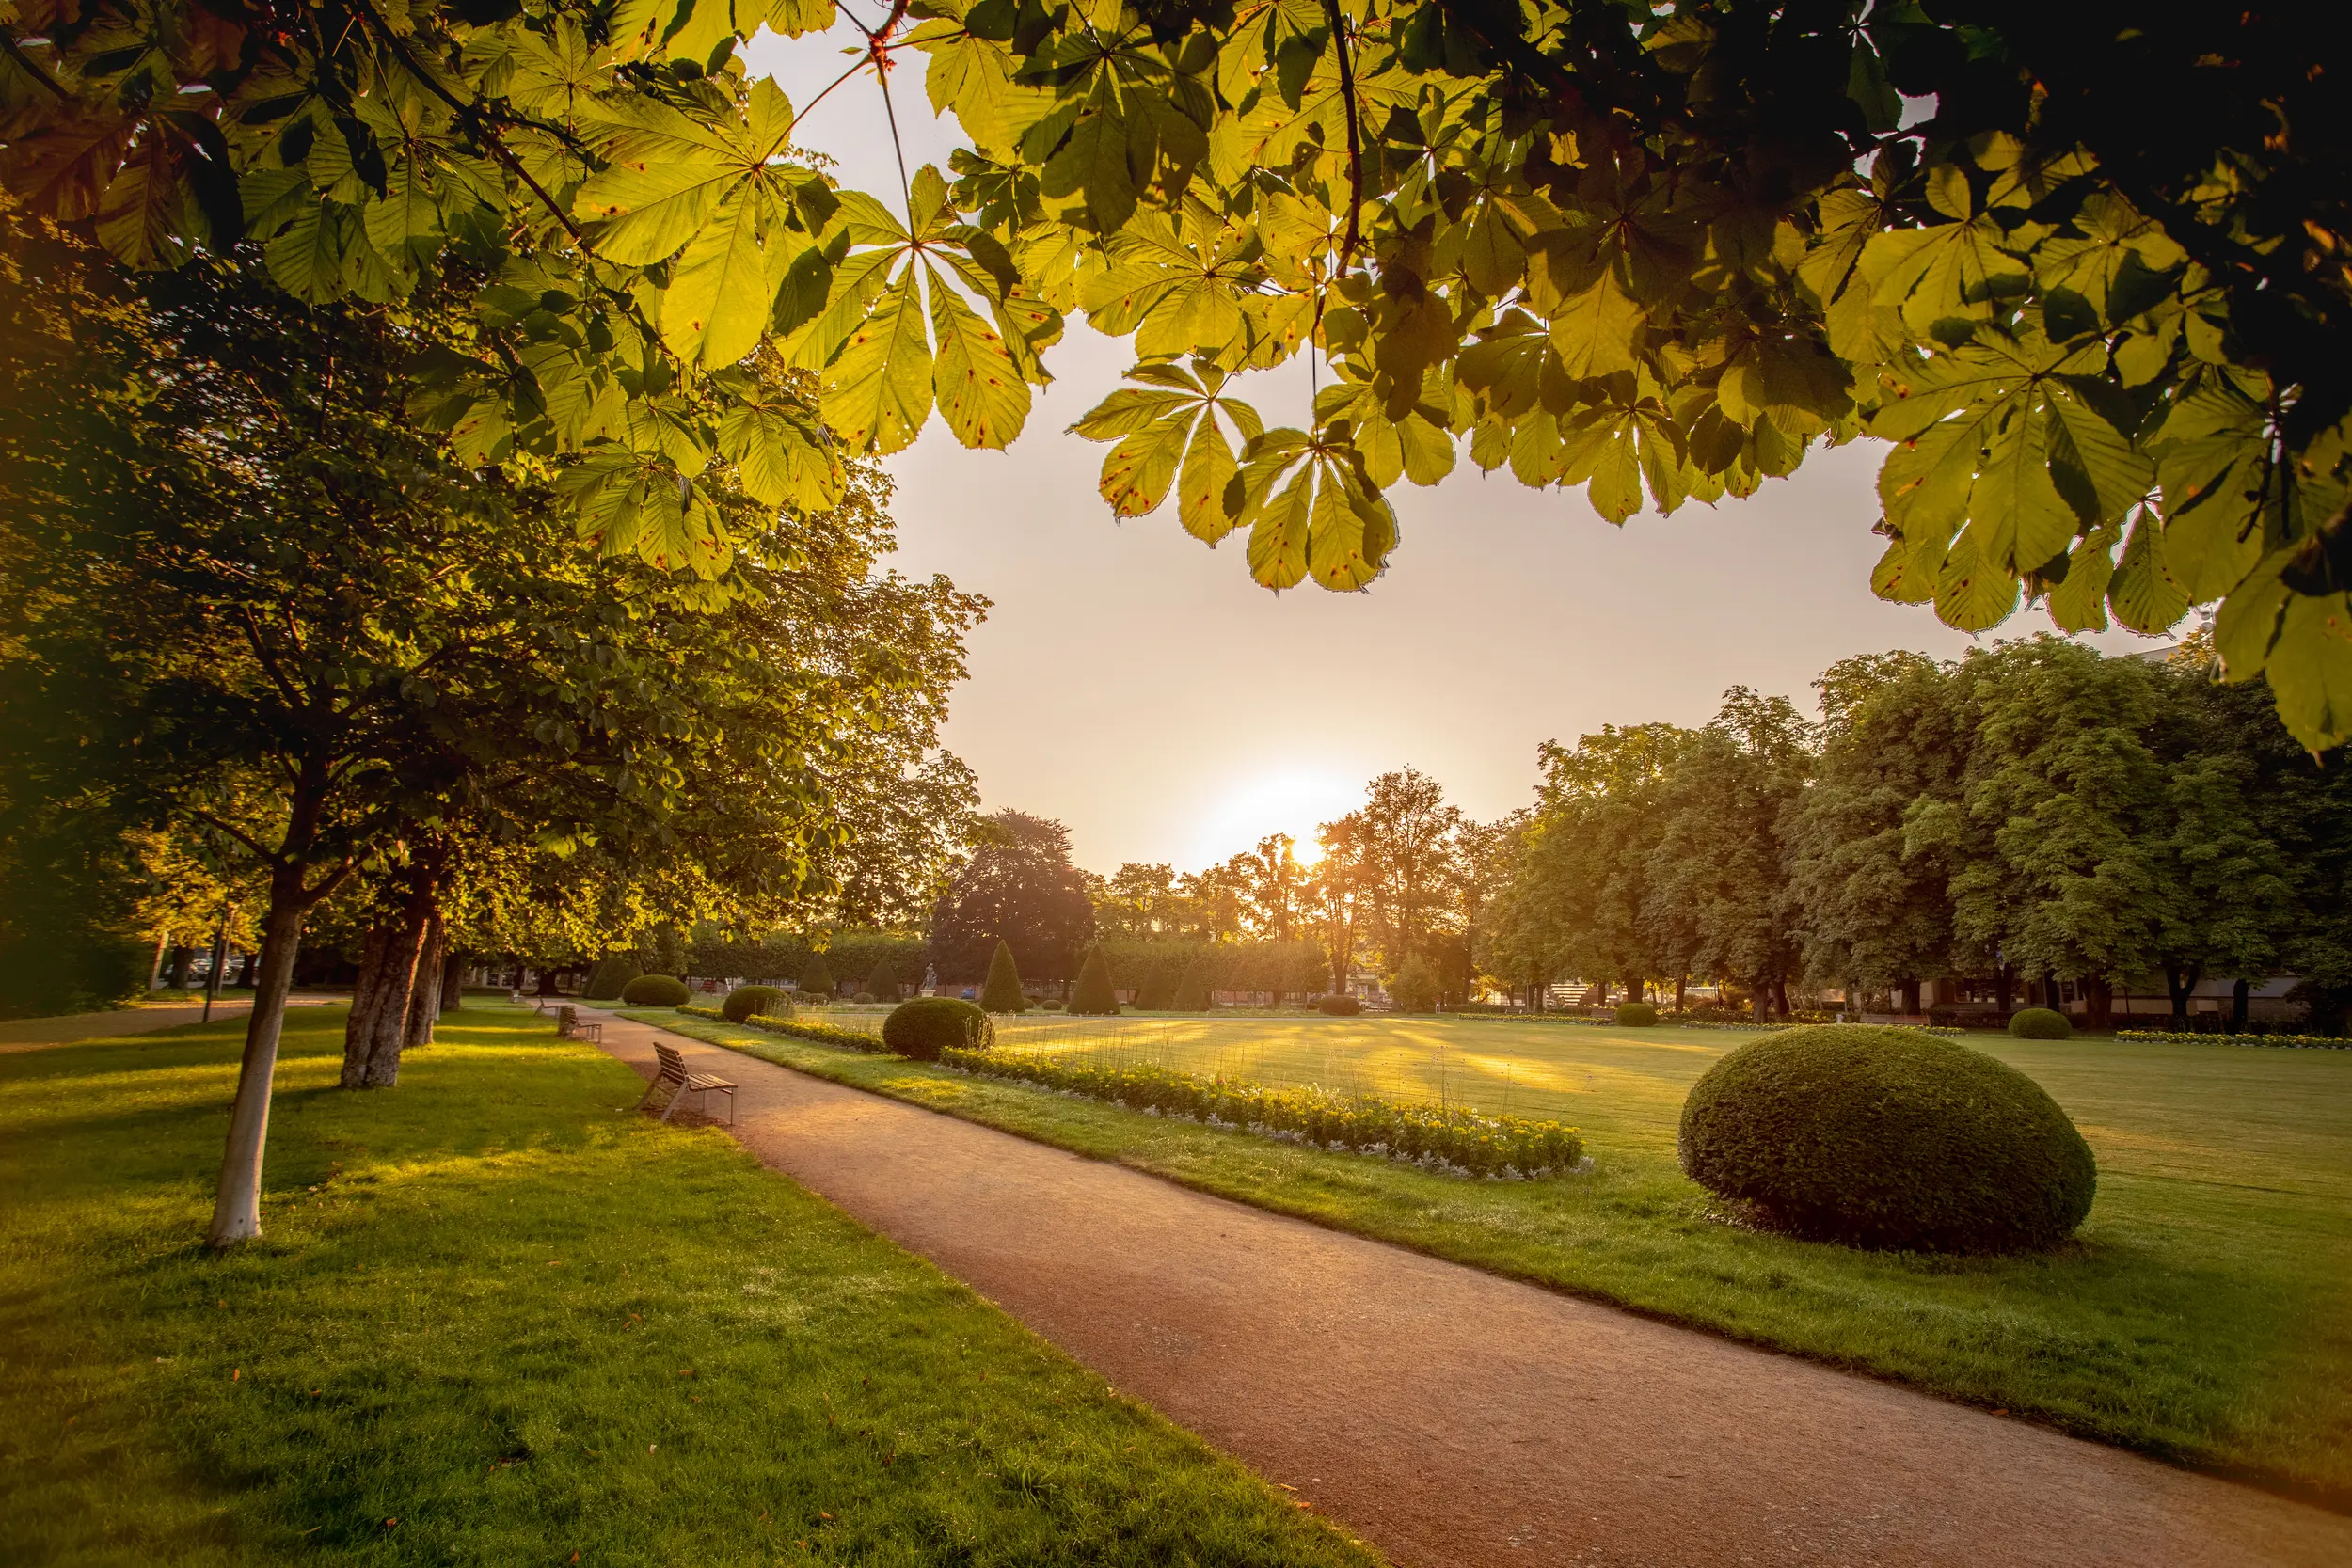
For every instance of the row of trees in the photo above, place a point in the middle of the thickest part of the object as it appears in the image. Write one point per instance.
(375, 693)
(2032, 813)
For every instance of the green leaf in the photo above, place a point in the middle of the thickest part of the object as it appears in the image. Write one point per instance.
(2311, 669)
(2143, 593)
(1593, 330)
(982, 394)
(716, 307)
(1278, 539)
(2080, 603)
(1974, 591)
(878, 391)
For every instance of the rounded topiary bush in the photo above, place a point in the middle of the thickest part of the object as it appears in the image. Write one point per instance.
(1339, 1004)
(754, 1002)
(863, 998)
(655, 990)
(1886, 1137)
(923, 1026)
(2041, 1024)
(1637, 1014)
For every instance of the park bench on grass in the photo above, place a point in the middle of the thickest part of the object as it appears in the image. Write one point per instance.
(672, 1076)
(570, 1026)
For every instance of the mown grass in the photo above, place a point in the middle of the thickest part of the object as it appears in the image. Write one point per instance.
(2204, 1313)
(497, 1318)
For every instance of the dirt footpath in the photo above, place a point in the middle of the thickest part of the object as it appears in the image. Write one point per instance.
(1451, 1418)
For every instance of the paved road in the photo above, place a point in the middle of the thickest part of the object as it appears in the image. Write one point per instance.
(1455, 1419)
(39, 1034)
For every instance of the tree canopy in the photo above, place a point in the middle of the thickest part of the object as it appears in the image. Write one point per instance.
(2085, 267)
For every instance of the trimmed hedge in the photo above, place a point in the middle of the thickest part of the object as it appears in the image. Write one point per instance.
(1001, 992)
(1887, 1137)
(824, 1033)
(1460, 1142)
(1637, 1014)
(748, 1001)
(2041, 1024)
(611, 976)
(1192, 990)
(921, 1027)
(1339, 1004)
(655, 990)
(1092, 995)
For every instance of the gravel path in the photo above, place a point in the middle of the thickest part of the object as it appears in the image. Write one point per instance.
(1453, 1417)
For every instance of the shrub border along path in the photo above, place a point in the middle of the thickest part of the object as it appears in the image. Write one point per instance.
(1453, 1416)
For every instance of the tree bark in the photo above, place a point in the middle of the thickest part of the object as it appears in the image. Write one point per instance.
(2005, 987)
(424, 995)
(390, 1033)
(179, 980)
(1911, 999)
(1780, 997)
(452, 983)
(2180, 982)
(155, 970)
(2239, 992)
(250, 971)
(237, 1203)
(367, 1002)
(2100, 1014)
(1682, 989)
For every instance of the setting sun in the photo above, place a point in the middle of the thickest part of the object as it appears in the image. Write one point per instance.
(1293, 802)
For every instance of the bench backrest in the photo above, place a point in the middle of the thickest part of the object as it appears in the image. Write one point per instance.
(673, 1064)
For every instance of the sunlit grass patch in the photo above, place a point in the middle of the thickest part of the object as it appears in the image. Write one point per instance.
(496, 1318)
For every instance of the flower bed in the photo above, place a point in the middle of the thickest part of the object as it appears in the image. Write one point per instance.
(1463, 1142)
(824, 1033)
(2183, 1037)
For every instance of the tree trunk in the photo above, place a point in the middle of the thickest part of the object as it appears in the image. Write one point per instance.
(2180, 981)
(1780, 997)
(420, 916)
(179, 980)
(2005, 987)
(1682, 989)
(547, 983)
(1759, 1004)
(2100, 1014)
(251, 971)
(1911, 999)
(238, 1205)
(155, 970)
(424, 996)
(452, 983)
(367, 1003)
(2239, 991)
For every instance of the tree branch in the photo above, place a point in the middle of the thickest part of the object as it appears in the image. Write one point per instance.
(1354, 137)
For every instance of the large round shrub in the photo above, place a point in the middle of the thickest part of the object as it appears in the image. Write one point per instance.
(1887, 1137)
(1339, 1004)
(2041, 1024)
(655, 990)
(1637, 1014)
(754, 1002)
(922, 1027)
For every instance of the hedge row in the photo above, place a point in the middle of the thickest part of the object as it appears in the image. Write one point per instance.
(1460, 1142)
(824, 1033)
(2296, 1042)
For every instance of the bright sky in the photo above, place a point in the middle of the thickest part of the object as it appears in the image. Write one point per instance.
(1139, 688)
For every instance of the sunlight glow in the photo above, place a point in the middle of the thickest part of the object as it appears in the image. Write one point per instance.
(1293, 802)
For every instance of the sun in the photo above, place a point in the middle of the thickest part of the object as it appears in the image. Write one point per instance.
(1293, 802)
(1307, 851)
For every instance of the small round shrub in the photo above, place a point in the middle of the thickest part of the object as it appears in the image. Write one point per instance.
(655, 990)
(922, 1027)
(1637, 1014)
(754, 1002)
(2041, 1024)
(1339, 1004)
(1051, 1006)
(863, 998)
(1886, 1137)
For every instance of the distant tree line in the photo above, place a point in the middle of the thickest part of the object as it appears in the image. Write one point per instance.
(2030, 815)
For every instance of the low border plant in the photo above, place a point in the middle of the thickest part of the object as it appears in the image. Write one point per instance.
(1459, 1142)
(2185, 1036)
(824, 1033)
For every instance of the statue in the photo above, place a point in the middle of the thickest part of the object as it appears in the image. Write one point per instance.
(930, 979)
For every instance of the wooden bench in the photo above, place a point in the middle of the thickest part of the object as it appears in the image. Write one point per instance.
(672, 1076)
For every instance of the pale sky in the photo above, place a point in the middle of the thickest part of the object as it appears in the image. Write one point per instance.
(1139, 688)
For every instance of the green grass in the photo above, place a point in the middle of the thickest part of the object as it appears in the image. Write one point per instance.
(2204, 1313)
(499, 1309)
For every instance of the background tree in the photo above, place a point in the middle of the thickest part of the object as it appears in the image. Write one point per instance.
(1018, 888)
(1404, 856)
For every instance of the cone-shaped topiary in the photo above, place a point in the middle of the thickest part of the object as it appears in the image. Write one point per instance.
(614, 971)
(655, 990)
(1192, 991)
(1002, 993)
(921, 1026)
(1157, 993)
(884, 981)
(754, 1002)
(1093, 993)
(817, 977)
(2041, 1024)
(1887, 1138)
(1413, 989)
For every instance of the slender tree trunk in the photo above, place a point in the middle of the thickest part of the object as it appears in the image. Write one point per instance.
(2100, 1015)
(2180, 981)
(1759, 1002)
(179, 966)
(2005, 987)
(388, 1034)
(2239, 991)
(1911, 999)
(252, 970)
(547, 983)
(1780, 997)
(452, 983)
(155, 970)
(424, 996)
(238, 1205)
(367, 1002)
(1683, 988)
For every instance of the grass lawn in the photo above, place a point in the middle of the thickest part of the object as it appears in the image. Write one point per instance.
(2204, 1312)
(499, 1318)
